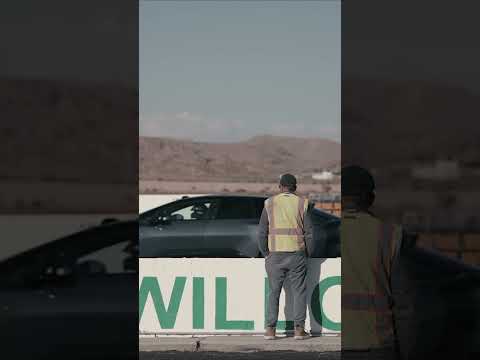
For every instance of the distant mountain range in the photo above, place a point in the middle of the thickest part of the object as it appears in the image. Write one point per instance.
(390, 124)
(259, 159)
(68, 131)
(397, 123)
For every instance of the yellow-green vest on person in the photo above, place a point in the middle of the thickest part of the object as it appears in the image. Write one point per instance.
(368, 247)
(286, 213)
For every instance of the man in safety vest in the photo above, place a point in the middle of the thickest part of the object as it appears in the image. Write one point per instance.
(369, 247)
(285, 235)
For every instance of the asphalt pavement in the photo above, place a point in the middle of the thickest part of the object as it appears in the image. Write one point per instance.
(239, 346)
(273, 355)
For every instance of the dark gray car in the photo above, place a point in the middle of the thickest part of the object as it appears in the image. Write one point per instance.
(220, 226)
(74, 297)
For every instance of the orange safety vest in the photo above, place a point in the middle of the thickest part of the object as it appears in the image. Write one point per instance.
(368, 248)
(286, 213)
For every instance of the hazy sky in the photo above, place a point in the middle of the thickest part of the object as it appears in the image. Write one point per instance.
(226, 70)
(70, 40)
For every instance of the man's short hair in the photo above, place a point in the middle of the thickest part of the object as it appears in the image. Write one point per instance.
(289, 181)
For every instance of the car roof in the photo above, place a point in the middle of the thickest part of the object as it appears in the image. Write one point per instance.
(226, 195)
(316, 211)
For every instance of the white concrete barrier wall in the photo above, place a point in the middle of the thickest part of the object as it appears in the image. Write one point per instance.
(228, 296)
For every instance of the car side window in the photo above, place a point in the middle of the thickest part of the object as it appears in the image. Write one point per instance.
(198, 210)
(236, 208)
(114, 259)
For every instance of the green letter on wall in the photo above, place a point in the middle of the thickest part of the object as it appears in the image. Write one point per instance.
(317, 300)
(198, 302)
(166, 316)
(221, 322)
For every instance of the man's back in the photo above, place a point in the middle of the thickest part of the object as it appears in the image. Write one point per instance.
(368, 246)
(286, 216)
(287, 205)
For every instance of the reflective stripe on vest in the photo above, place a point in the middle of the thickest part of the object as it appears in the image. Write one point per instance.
(285, 216)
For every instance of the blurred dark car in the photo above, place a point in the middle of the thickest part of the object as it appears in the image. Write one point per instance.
(220, 226)
(76, 297)
(436, 305)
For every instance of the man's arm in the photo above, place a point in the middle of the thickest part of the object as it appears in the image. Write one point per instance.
(263, 234)
(308, 233)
